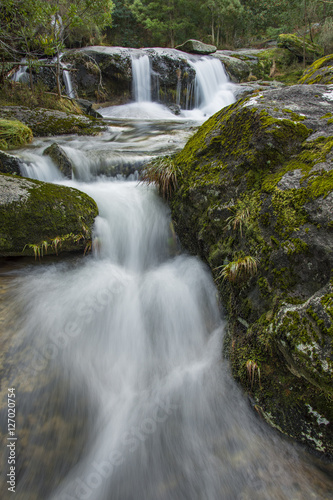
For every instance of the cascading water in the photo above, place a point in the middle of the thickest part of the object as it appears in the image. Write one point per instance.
(141, 80)
(212, 90)
(122, 392)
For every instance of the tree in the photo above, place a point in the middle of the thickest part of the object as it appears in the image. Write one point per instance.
(165, 20)
(65, 15)
(31, 28)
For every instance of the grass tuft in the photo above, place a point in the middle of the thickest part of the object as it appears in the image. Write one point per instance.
(238, 270)
(163, 173)
(13, 134)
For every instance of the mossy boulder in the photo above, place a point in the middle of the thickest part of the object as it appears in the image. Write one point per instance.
(255, 200)
(196, 47)
(38, 218)
(237, 69)
(251, 64)
(321, 71)
(300, 47)
(46, 122)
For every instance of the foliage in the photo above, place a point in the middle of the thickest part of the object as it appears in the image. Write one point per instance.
(13, 134)
(326, 36)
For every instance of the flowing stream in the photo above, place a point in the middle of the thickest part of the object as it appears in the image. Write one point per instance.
(121, 389)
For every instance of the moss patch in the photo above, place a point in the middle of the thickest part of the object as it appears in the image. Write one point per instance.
(39, 212)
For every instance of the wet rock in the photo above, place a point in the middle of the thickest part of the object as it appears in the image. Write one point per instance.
(60, 158)
(87, 108)
(9, 164)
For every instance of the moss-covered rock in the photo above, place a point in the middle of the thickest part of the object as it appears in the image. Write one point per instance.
(300, 47)
(255, 200)
(38, 218)
(321, 71)
(46, 122)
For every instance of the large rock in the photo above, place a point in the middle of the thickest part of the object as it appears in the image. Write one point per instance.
(321, 71)
(105, 74)
(300, 47)
(38, 218)
(251, 64)
(9, 164)
(255, 200)
(237, 69)
(47, 122)
(196, 47)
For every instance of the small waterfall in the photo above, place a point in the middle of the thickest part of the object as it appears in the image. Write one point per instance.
(22, 75)
(141, 71)
(212, 90)
(68, 82)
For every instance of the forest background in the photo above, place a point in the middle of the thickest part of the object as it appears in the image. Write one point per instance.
(45, 27)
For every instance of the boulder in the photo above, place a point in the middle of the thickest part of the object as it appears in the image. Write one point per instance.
(196, 47)
(60, 158)
(38, 218)
(9, 164)
(237, 70)
(87, 108)
(255, 200)
(47, 122)
(321, 71)
(300, 47)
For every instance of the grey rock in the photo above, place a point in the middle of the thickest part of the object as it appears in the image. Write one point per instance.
(9, 164)
(196, 47)
(60, 158)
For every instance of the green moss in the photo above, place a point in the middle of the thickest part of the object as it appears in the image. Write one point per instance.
(319, 72)
(48, 212)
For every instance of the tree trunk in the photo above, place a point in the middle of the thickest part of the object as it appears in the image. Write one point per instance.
(213, 34)
(58, 75)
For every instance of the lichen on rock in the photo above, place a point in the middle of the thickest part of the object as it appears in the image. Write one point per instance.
(255, 184)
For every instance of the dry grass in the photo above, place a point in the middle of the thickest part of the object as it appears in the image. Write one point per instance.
(239, 270)
(163, 173)
(13, 134)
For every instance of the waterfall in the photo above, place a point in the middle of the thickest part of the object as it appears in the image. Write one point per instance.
(141, 71)
(123, 391)
(68, 82)
(212, 87)
(22, 76)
